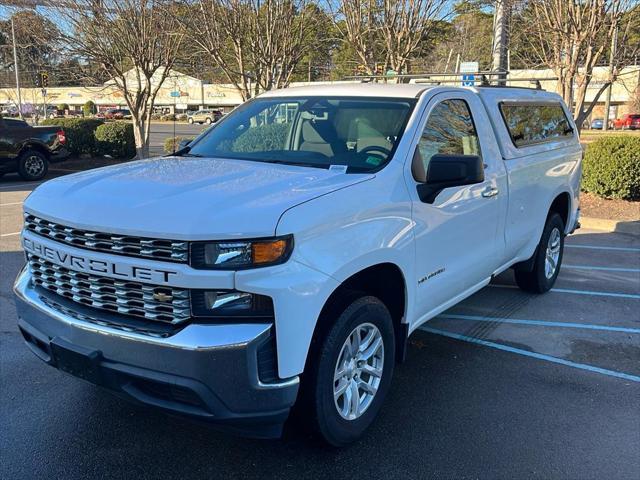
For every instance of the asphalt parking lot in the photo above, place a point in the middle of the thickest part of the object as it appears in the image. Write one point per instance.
(503, 385)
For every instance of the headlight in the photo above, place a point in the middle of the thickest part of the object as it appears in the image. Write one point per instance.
(222, 304)
(236, 255)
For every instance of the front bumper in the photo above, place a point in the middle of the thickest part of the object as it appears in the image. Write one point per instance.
(208, 372)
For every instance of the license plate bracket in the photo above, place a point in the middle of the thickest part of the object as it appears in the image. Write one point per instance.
(77, 361)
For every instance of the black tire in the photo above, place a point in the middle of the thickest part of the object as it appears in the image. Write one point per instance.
(207, 121)
(325, 419)
(33, 165)
(537, 280)
(190, 120)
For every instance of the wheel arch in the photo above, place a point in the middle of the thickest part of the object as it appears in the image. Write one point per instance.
(35, 146)
(384, 281)
(561, 205)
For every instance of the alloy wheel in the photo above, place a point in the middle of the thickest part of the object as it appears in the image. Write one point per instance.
(552, 253)
(358, 371)
(34, 165)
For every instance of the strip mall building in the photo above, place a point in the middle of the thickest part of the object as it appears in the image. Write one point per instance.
(182, 93)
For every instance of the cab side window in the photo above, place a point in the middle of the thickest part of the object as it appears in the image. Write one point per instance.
(449, 131)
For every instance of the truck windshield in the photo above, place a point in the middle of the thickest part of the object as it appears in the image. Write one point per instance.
(358, 133)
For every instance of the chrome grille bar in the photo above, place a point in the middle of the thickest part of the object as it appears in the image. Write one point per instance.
(161, 304)
(159, 249)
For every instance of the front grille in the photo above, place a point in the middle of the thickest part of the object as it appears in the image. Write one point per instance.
(116, 296)
(158, 249)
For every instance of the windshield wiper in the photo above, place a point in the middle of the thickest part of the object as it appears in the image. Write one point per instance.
(298, 164)
(184, 152)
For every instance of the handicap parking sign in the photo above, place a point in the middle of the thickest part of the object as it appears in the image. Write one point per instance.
(468, 80)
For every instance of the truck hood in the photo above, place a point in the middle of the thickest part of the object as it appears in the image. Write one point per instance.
(184, 198)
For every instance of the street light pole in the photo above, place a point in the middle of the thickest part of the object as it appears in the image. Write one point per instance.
(15, 67)
(612, 56)
(501, 39)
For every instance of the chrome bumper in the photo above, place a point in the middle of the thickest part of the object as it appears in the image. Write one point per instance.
(206, 371)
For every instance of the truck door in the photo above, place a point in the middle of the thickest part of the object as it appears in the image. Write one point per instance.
(456, 236)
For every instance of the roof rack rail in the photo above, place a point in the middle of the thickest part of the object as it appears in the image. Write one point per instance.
(485, 77)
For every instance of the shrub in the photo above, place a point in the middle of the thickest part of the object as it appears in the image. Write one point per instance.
(62, 107)
(172, 144)
(611, 168)
(169, 117)
(80, 133)
(116, 140)
(89, 108)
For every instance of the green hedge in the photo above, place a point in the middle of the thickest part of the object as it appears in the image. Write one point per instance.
(116, 140)
(611, 168)
(172, 144)
(80, 133)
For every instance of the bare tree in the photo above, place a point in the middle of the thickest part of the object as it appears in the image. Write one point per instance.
(134, 42)
(387, 31)
(256, 43)
(572, 37)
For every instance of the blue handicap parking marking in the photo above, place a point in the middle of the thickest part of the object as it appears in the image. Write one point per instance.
(527, 353)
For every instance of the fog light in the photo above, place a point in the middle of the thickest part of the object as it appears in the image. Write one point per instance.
(230, 303)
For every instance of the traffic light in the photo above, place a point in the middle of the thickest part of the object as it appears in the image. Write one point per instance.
(38, 81)
(45, 79)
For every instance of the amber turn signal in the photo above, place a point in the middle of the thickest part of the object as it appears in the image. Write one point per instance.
(268, 252)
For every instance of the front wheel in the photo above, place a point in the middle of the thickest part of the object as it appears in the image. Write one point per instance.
(33, 165)
(547, 258)
(353, 371)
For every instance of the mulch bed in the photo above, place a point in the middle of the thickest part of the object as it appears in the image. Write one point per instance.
(619, 210)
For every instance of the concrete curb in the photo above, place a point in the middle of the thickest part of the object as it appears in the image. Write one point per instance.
(592, 223)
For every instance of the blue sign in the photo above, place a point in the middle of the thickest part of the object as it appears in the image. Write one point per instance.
(175, 94)
(468, 80)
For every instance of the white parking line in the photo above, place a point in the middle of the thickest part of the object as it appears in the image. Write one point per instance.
(9, 234)
(19, 185)
(12, 203)
(599, 247)
(605, 269)
(527, 353)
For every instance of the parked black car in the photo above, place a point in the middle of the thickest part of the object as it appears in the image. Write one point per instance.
(29, 150)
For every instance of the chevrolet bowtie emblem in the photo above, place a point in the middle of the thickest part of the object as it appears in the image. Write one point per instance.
(162, 297)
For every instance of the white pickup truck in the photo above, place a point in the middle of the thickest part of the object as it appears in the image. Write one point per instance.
(286, 254)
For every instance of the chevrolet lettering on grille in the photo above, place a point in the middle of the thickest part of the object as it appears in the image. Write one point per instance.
(99, 267)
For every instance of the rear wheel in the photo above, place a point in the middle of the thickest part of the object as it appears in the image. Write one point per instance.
(190, 120)
(353, 370)
(33, 165)
(547, 259)
(208, 121)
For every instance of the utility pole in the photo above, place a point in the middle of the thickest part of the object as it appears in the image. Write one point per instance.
(15, 67)
(612, 56)
(501, 39)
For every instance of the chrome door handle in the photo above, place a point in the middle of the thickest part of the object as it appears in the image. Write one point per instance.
(490, 192)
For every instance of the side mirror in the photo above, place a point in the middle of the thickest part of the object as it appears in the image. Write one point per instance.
(183, 143)
(446, 171)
